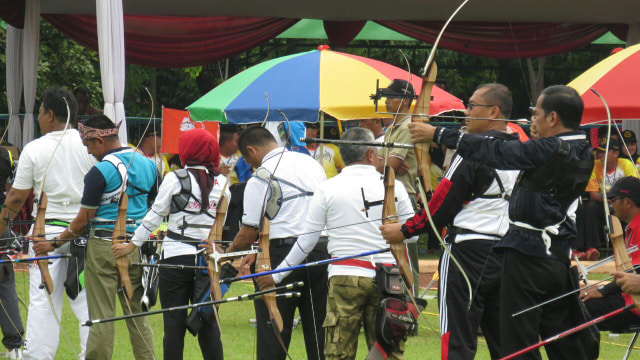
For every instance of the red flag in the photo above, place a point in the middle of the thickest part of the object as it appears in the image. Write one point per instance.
(174, 121)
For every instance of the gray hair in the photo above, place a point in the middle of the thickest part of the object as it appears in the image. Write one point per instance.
(355, 153)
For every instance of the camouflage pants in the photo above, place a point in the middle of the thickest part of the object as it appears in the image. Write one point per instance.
(352, 301)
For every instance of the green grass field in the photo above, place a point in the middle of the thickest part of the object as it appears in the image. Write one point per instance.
(238, 335)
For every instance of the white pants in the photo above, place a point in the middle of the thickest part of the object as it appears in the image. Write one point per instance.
(43, 331)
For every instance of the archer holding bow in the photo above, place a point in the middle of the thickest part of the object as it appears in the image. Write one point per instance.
(53, 166)
(555, 171)
(189, 217)
(472, 201)
(120, 173)
(280, 190)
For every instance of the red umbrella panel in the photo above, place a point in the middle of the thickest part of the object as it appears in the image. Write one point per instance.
(617, 79)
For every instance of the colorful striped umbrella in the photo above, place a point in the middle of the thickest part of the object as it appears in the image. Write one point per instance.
(617, 79)
(304, 85)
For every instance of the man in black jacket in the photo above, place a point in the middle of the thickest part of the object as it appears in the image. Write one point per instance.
(555, 170)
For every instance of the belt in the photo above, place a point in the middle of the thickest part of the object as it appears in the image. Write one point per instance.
(56, 222)
(452, 230)
(183, 239)
(289, 241)
(106, 233)
(359, 263)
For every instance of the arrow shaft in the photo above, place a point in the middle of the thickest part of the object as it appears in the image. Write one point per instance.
(302, 266)
(245, 297)
(36, 258)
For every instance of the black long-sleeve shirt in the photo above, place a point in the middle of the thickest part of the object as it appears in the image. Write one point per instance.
(555, 172)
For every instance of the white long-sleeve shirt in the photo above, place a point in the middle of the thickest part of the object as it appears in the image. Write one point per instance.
(162, 206)
(349, 206)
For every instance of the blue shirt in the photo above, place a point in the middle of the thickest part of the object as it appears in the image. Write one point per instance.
(103, 182)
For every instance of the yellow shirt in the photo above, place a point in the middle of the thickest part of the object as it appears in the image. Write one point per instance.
(625, 168)
(331, 159)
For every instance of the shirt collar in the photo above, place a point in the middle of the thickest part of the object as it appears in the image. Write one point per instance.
(359, 169)
(273, 153)
(635, 223)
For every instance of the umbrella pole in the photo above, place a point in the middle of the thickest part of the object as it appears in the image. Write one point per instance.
(321, 159)
(339, 127)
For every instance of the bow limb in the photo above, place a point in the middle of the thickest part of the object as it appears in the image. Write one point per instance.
(390, 216)
(38, 235)
(216, 235)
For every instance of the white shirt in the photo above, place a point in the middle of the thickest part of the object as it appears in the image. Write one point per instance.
(162, 206)
(230, 160)
(65, 176)
(301, 170)
(351, 224)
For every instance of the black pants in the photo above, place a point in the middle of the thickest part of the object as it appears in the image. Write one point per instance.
(607, 304)
(176, 287)
(527, 281)
(459, 325)
(10, 320)
(312, 307)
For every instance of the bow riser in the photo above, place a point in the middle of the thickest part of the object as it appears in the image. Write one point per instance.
(39, 230)
(119, 237)
(263, 263)
(621, 256)
(389, 216)
(216, 235)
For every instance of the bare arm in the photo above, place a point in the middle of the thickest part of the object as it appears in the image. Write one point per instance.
(244, 238)
(12, 205)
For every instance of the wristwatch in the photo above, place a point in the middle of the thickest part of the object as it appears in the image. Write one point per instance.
(55, 244)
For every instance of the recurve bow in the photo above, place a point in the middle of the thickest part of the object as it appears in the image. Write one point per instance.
(421, 113)
(39, 222)
(119, 237)
(263, 263)
(618, 243)
(216, 235)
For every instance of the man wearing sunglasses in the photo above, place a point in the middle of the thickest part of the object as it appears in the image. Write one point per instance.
(624, 198)
(472, 203)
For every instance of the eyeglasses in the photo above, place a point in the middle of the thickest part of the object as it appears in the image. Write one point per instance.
(471, 105)
(615, 198)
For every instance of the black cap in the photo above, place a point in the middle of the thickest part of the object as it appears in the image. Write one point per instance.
(628, 187)
(398, 88)
(614, 144)
(629, 136)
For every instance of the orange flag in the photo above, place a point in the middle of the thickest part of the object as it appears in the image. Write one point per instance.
(174, 121)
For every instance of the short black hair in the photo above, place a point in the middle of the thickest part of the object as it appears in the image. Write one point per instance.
(100, 121)
(500, 95)
(54, 99)
(227, 132)
(82, 90)
(254, 136)
(566, 102)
